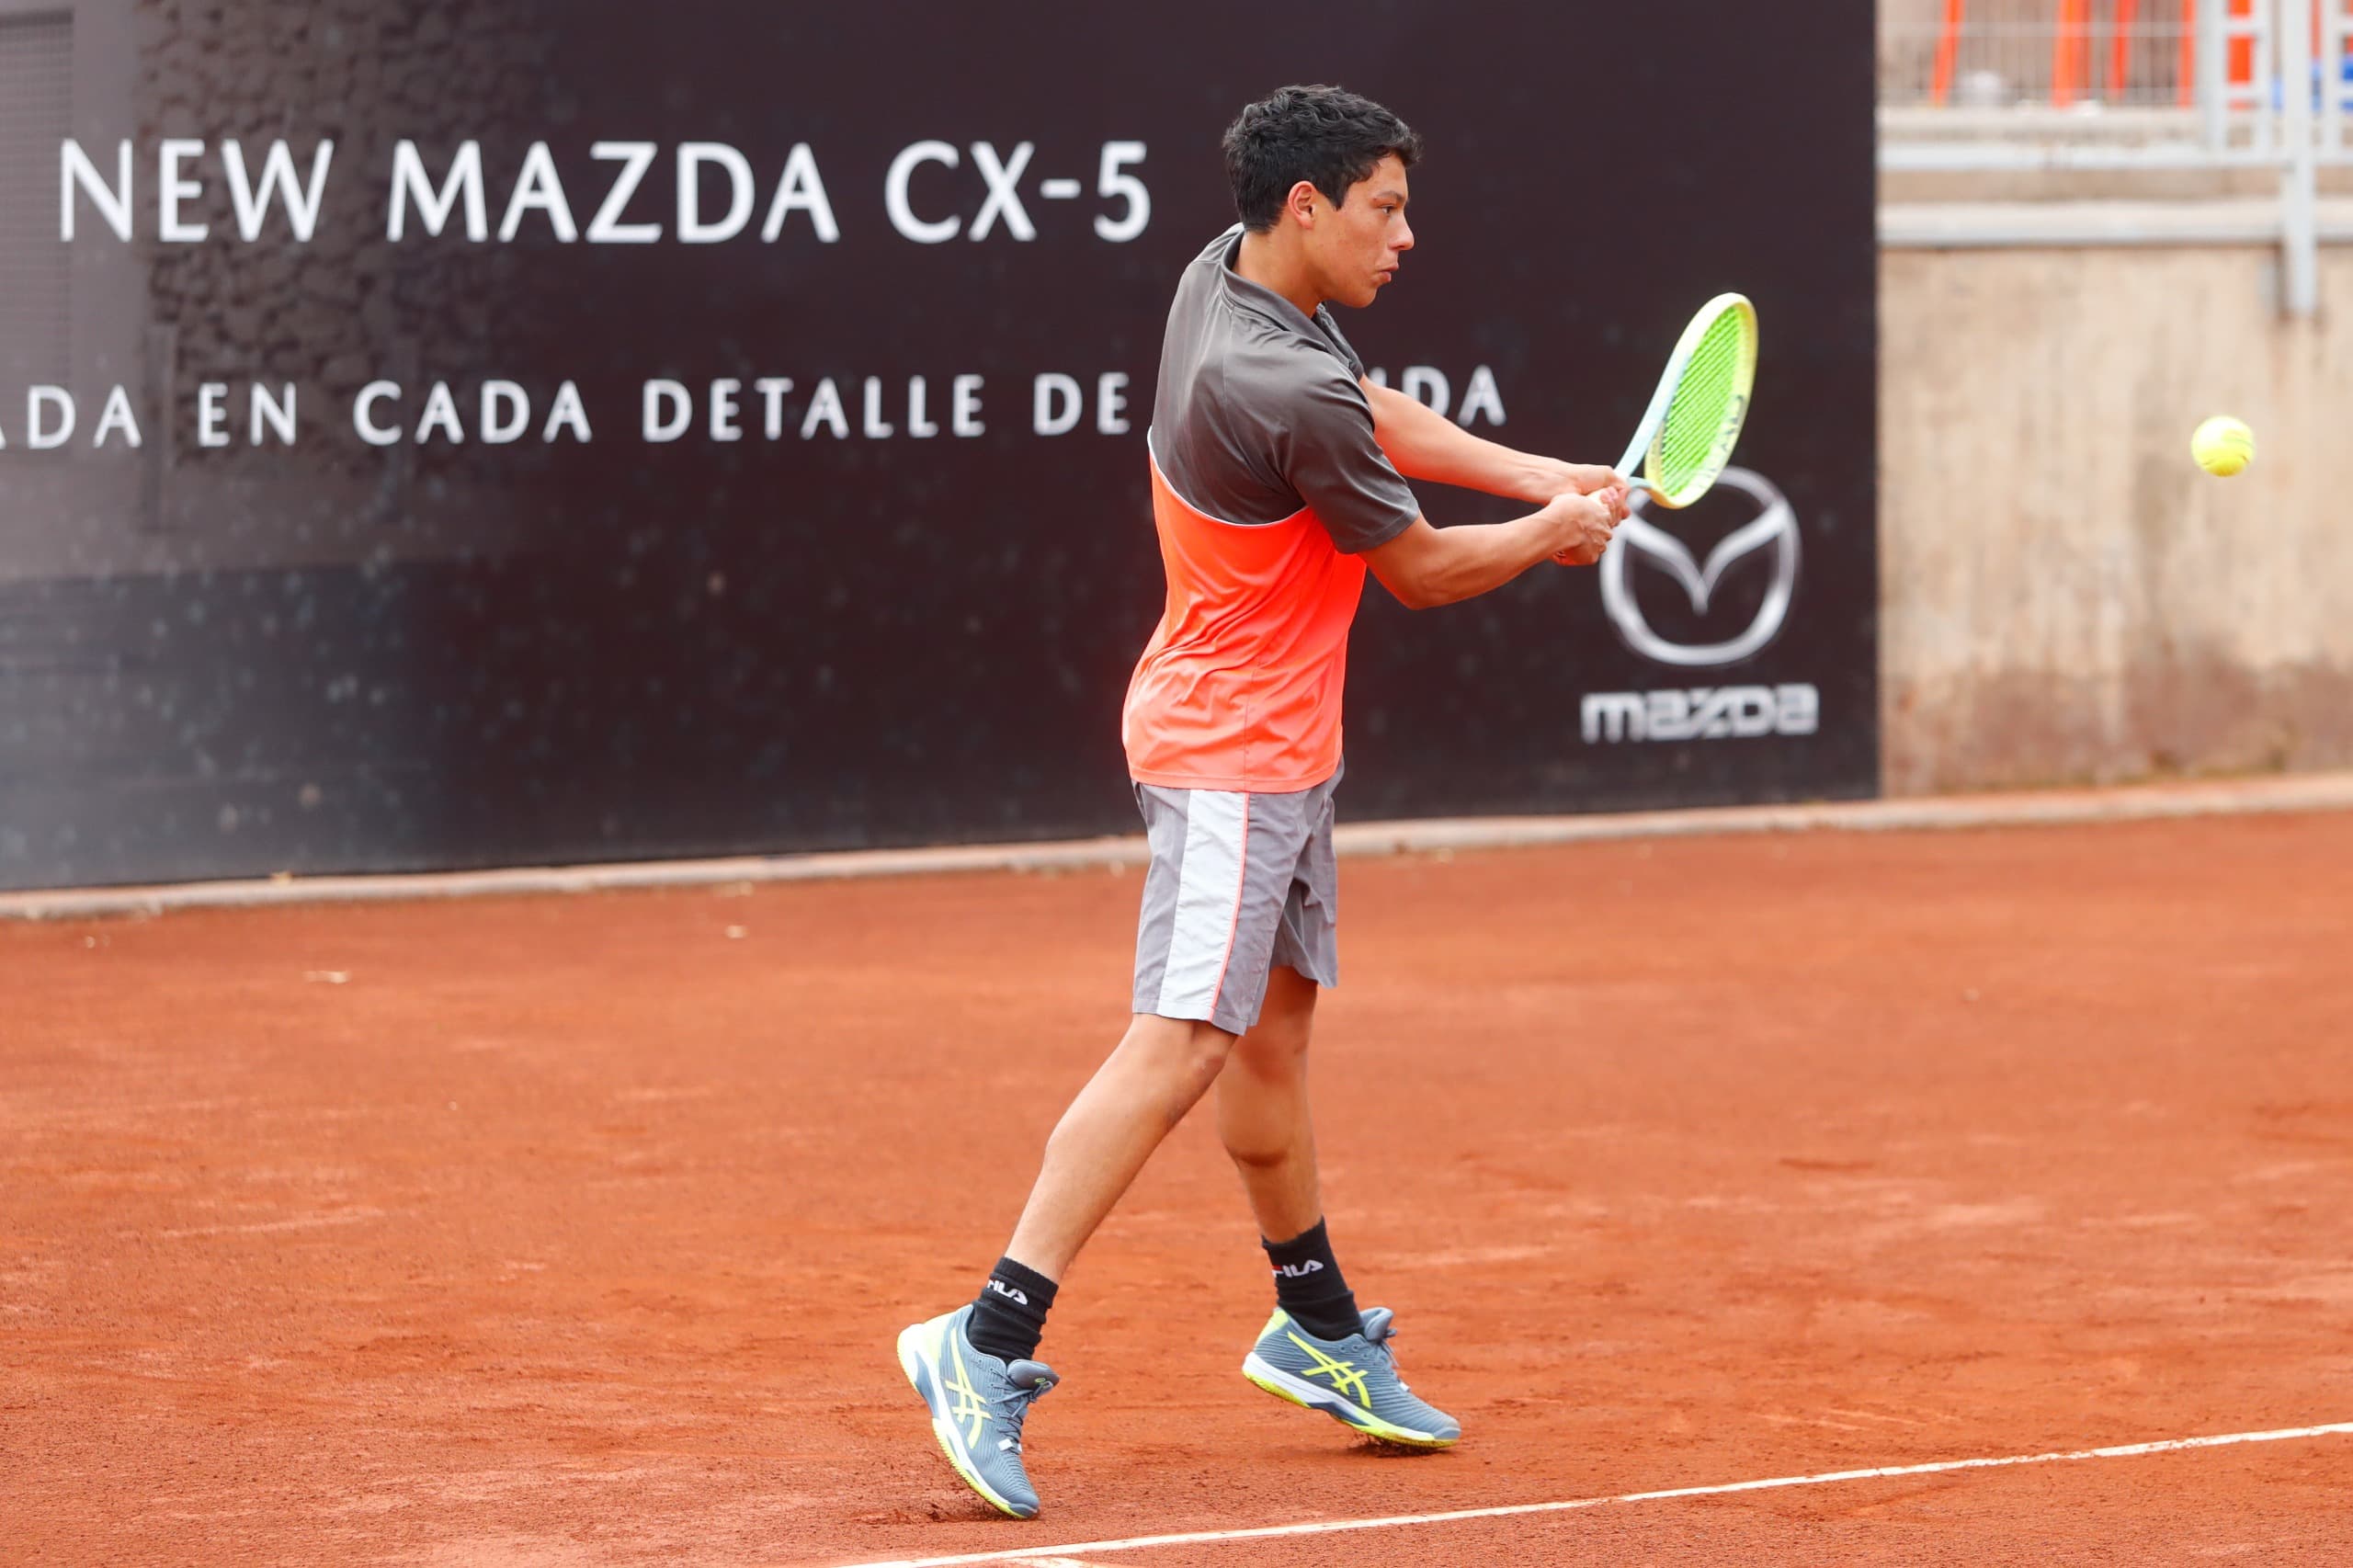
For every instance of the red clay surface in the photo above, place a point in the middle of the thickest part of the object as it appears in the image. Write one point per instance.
(576, 1230)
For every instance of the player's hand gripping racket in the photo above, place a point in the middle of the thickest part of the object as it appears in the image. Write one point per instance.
(1694, 420)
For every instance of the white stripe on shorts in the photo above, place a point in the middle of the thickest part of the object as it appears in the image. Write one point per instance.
(1208, 901)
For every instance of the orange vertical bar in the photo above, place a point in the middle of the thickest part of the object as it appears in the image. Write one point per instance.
(2069, 51)
(1948, 50)
(2119, 48)
(2185, 69)
(2242, 49)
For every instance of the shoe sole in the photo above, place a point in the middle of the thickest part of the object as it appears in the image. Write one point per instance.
(1299, 1392)
(923, 1373)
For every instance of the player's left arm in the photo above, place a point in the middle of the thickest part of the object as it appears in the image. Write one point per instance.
(1424, 444)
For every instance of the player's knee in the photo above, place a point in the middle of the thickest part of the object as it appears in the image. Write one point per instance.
(1277, 1047)
(1257, 1147)
(1276, 1043)
(1186, 1055)
(1207, 1054)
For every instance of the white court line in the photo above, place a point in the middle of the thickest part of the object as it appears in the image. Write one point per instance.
(1829, 1478)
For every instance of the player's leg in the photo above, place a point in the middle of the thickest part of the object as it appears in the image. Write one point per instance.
(1317, 1350)
(1213, 900)
(1262, 1103)
(975, 1366)
(1160, 1070)
(1262, 1113)
(1269, 1132)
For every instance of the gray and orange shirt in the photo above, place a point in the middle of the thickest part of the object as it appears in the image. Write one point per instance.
(1268, 485)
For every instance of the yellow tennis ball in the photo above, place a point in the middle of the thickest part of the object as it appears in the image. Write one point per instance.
(2223, 445)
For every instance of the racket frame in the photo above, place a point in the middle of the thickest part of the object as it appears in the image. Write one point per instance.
(1655, 418)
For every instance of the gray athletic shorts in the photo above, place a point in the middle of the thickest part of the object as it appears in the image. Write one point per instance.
(1239, 884)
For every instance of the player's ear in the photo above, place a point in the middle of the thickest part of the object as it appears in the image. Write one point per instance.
(1300, 205)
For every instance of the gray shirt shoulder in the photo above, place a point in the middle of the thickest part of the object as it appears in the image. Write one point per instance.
(1258, 413)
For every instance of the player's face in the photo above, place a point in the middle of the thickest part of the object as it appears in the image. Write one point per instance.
(1360, 243)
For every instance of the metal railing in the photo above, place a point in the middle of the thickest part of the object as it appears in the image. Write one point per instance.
(2062, 53)
(2207, 73)
(2151, 85)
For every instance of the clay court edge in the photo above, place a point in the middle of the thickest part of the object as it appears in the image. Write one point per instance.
(2306, 792)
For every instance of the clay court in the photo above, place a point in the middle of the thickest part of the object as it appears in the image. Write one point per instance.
(563, 1231)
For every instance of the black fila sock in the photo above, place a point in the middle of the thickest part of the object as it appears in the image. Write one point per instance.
(1307, 1285)
(1009, 1314)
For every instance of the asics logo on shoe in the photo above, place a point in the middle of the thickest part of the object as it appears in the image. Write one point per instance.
(1345, 1377)
(1299, 1270)
(967, 1398)
(1002, 1288)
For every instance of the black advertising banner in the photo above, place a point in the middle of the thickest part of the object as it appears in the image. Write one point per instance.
(438, 435)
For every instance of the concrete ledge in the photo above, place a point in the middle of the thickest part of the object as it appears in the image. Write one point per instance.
(2000, 225)
(2309, 792)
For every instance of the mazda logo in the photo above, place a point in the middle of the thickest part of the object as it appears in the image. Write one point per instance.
(1775, 528)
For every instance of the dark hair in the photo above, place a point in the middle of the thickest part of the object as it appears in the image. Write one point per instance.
(1326, 135)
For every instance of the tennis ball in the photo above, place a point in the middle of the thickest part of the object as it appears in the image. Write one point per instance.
(2223, 445)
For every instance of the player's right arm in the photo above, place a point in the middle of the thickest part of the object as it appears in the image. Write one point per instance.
(1425, 444)
(1426, 567)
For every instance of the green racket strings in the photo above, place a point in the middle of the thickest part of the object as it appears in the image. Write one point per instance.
(1695, 420)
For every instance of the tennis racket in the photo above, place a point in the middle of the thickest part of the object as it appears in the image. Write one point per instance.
(1694, 420)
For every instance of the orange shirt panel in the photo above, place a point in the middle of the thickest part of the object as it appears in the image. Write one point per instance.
(1240, 686)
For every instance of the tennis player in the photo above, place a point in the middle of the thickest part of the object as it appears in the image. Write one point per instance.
(1278, 478)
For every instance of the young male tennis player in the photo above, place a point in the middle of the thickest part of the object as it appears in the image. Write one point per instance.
(1278, 478)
